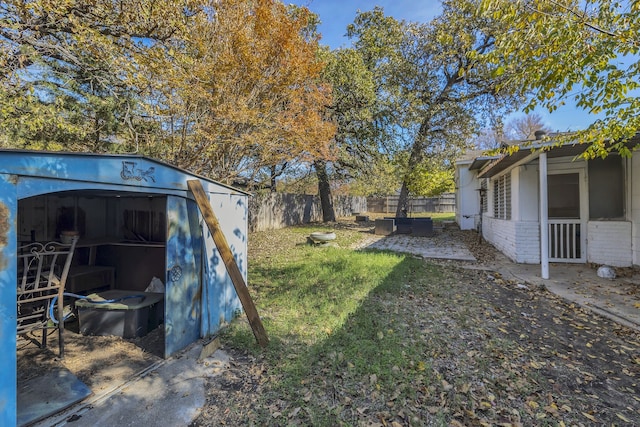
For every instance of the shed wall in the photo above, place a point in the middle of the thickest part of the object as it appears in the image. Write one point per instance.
(8, 271)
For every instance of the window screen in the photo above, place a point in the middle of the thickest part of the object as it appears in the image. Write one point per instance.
(502, 197)
(564, 195)
(606, 188)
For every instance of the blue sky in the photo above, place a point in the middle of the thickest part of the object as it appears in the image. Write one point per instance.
(335, 15)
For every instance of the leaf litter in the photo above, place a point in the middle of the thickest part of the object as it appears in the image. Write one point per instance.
(463, 347)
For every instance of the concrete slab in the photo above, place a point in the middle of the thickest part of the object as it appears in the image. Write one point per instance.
(425, 247)
(170, 393)
(617, 299)
(48, 394)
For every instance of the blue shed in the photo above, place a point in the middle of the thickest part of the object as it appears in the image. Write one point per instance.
(137, 220)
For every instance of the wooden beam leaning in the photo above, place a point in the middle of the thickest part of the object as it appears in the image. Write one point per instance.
(195, 186)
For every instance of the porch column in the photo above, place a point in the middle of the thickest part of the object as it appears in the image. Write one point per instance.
(544, 218)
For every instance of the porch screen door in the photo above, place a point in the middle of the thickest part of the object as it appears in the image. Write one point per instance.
(566, 234)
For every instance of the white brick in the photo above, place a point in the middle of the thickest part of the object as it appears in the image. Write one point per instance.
(609, 242)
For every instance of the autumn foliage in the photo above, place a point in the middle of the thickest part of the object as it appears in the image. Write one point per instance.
(222, 87)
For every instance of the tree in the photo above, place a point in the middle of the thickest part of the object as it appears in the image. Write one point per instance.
(583, 51)
(525, 127)
(67, 68)
(436, 78)
(225, 88)
(518, 128)
(244, 93)
(353, 111)
(381, 180)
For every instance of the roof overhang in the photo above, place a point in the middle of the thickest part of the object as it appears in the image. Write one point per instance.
(525, 155)
(482, 161)
(531, 151)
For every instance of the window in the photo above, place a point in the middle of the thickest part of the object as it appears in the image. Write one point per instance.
(606, 188)
(483, 196)
(502, 197)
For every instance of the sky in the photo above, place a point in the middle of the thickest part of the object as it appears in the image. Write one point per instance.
(335, 15)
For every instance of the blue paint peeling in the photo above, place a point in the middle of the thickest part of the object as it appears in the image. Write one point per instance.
(8, 271)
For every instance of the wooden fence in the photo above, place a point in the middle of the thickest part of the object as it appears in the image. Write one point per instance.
(445, 203)
(276, 210)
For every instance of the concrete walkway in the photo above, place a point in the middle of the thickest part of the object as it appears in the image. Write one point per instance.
(617, 299)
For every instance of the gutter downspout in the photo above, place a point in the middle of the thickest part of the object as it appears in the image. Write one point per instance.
(544, 218)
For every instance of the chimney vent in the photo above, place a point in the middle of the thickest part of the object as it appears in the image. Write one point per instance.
(539, 134)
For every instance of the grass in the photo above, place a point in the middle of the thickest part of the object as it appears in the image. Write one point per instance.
(378, 338)
(332, 312)
(326, 309)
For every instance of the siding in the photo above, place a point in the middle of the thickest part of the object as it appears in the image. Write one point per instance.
(609, 242)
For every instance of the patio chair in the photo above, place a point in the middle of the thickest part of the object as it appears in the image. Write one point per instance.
(42, 273)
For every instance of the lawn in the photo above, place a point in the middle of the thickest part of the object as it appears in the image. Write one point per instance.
(372, 338)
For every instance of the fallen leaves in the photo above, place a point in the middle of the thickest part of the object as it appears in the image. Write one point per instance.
(459, 349)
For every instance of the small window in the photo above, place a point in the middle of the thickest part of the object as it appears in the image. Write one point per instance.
(606, 188)
(502, 197)
(483, 196)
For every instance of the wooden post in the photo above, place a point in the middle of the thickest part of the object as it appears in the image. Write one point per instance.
(195, 186)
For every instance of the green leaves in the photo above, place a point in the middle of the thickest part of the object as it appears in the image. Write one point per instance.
(565, 50)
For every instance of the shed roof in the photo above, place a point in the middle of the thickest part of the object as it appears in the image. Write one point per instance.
(126, 172)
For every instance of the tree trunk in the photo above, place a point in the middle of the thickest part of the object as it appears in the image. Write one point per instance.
(324, 189)
(417, 154)
(273, 178)
(403, 201)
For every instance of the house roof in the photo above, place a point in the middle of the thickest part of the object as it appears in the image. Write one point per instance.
(529, 150)
(469, 156)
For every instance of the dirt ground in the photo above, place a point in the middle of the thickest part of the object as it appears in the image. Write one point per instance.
(586, 368)
(101, 362)
(503, 353)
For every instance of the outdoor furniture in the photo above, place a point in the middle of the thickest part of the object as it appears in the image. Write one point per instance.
(403, 225)
(385, 227)
(422, 227)
(42, 273)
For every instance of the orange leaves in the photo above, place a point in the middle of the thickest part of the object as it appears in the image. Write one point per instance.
(245, 90)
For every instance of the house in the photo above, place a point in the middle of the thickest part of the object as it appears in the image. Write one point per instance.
(545, 204)
(136, 220)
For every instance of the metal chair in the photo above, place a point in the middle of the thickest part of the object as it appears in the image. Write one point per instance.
(42, 273)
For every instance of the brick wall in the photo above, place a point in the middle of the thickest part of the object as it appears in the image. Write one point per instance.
(609, 242)
(501, 234)
(519, 240)
(528, 242)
